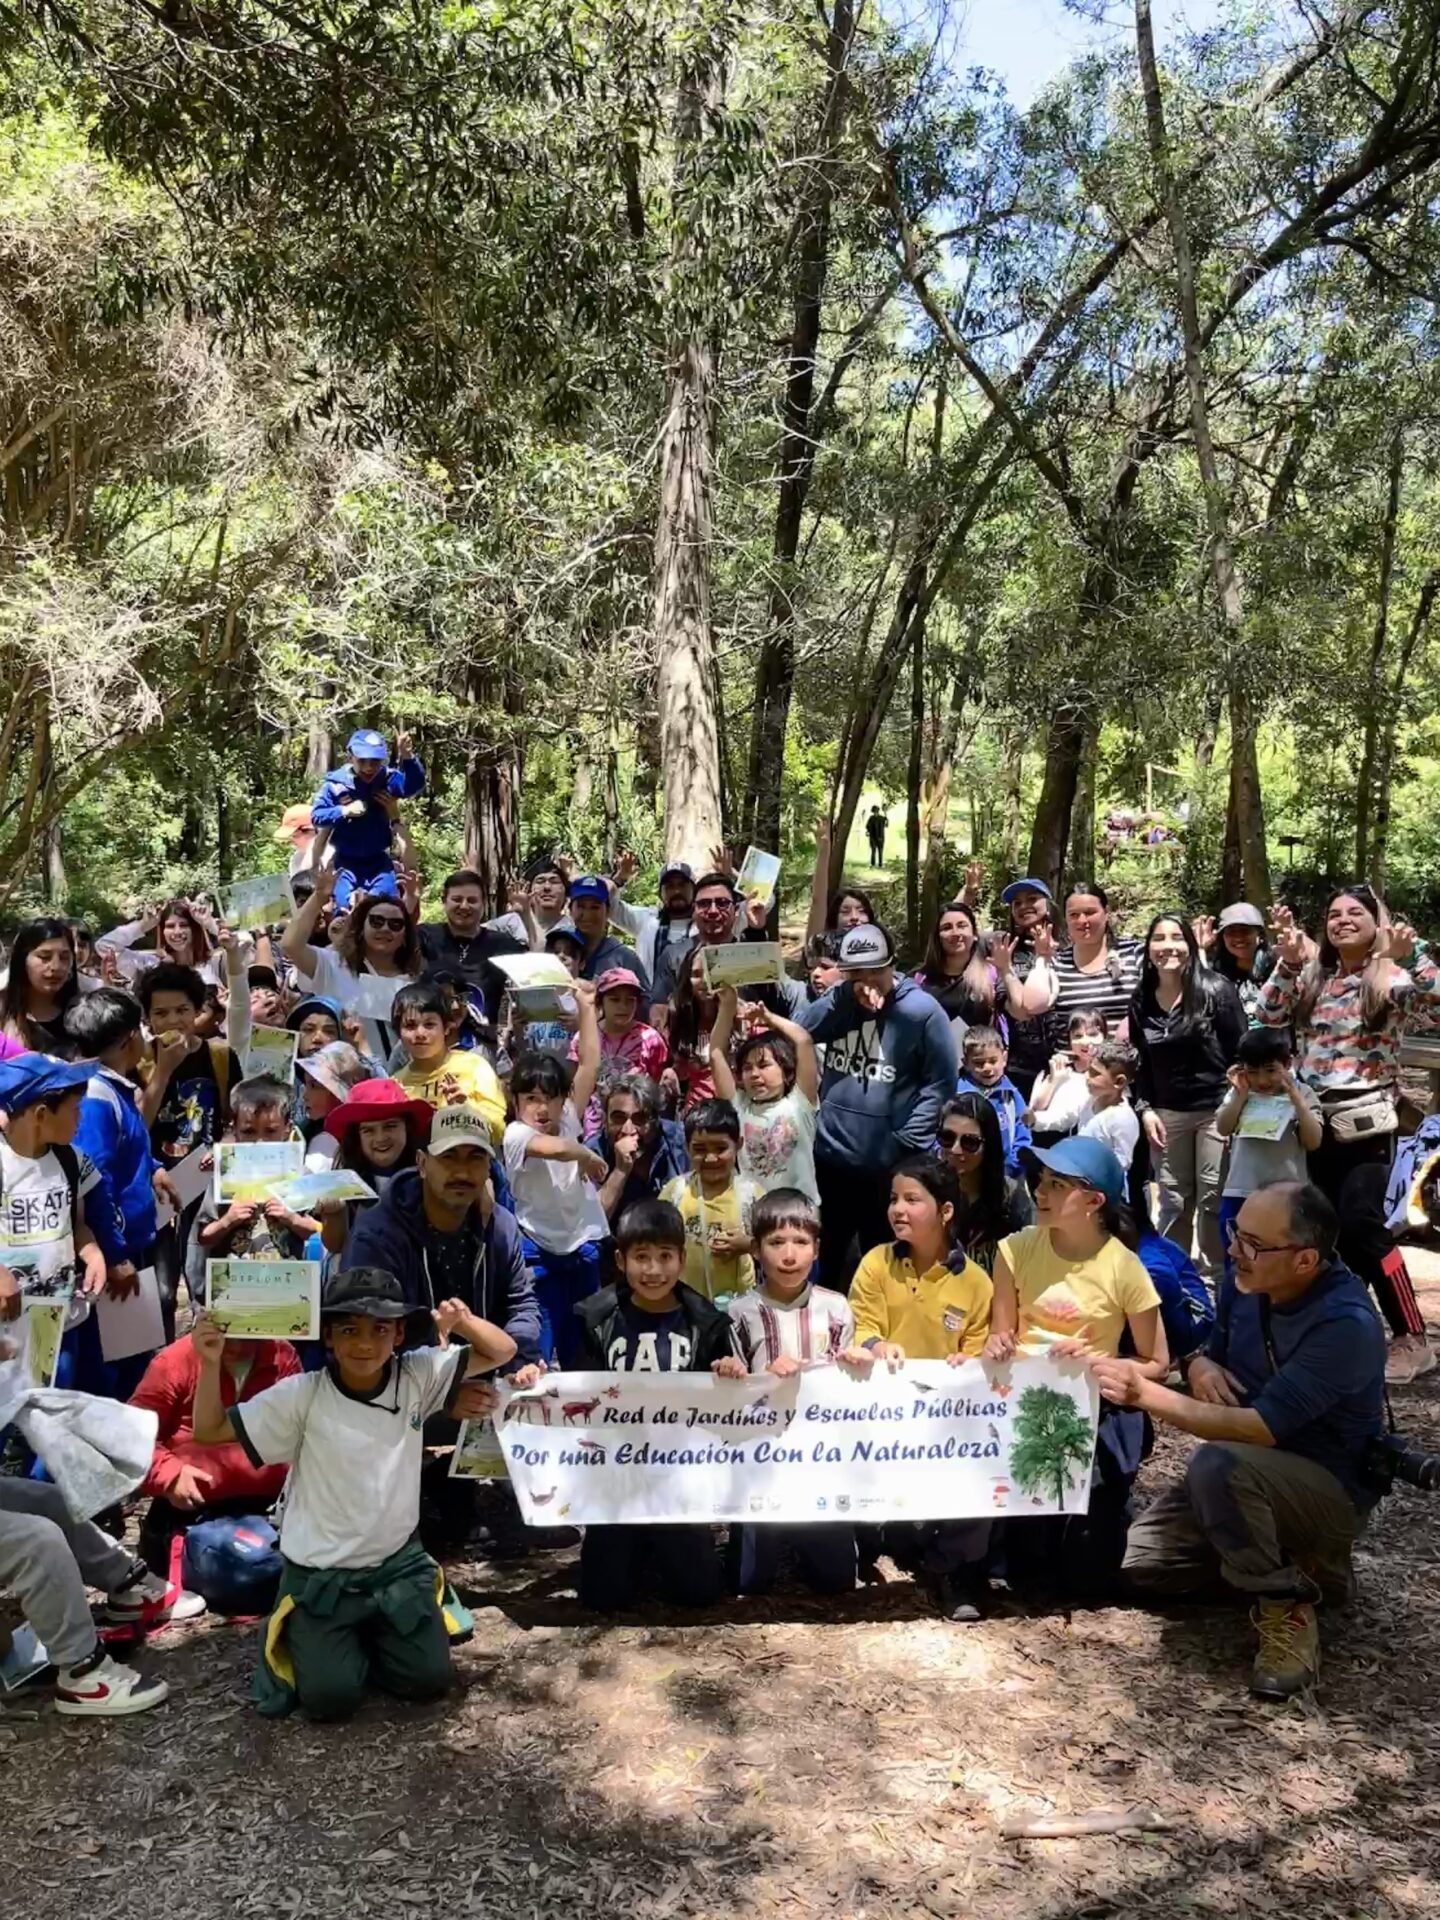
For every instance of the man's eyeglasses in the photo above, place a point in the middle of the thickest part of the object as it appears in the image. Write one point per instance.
(391, 922)
(1247, 1244)
(722, 905)
(962, 1142)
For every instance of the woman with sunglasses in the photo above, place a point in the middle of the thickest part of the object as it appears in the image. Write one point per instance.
(376, 952)
(1350, 998)
(994, 1205)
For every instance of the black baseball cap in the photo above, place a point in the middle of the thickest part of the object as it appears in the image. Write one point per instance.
(368, 1290)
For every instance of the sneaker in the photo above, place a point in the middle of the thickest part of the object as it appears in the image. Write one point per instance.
(103, 1688)
(1287, 1661)
(149, 1600)
(1410, 1356)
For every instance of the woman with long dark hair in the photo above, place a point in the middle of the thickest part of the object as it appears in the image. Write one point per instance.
(693, 1012)
(1350, 998)
(1028, 945)
(992, 1204)
(378, 938)
(39, 986)
(176, 932)
(955, 971)
(1185, 1022)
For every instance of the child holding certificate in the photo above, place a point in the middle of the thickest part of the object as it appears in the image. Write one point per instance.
(360, 1599)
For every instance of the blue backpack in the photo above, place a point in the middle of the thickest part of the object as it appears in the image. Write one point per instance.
(233, 1563)
(1186, 1310)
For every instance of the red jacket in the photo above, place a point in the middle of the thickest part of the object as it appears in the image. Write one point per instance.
(168, 1389)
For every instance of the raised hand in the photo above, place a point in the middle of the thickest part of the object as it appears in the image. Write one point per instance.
(404, 746)
(1292, 943)
(974, 882)
(1043, 943)
(1203, 928)
(1239, 1078)
(627, 865)
(1002, 952)
(1400, 943)
(721, 862)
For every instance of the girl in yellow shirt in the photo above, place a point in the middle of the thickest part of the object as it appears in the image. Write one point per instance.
(918, 1299)
(1071, 1285)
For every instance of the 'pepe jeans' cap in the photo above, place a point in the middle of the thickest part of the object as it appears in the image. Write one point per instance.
(368, 1290)
(864, 947)
(458, 1126)
(1089, 1161)
(367, 745)
(590, 886)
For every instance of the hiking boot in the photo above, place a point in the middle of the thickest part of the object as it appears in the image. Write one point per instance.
(101, 1687)
(1287, 1661)
(1410, 1356)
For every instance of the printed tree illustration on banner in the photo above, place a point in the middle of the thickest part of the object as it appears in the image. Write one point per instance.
(1051, 1442)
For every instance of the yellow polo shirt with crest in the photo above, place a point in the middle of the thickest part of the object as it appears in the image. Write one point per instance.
(929, 1315)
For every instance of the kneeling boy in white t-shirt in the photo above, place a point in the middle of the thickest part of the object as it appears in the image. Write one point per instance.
(359, 1597)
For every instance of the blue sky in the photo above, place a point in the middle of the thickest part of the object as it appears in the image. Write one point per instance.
(1029, 41)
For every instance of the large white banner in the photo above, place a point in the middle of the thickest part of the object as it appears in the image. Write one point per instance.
(927, 1442)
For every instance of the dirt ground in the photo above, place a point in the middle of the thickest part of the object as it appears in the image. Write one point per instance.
(792, 1757)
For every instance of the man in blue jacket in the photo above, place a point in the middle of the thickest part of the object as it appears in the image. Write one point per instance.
(105, 1029)
(889, 1069)
(359, 806)
(1287, 1399)
(440, 1235)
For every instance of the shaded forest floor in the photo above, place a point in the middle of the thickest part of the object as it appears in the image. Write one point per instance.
(851, 1759)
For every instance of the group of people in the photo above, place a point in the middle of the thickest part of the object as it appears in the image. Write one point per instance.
(858, 1167)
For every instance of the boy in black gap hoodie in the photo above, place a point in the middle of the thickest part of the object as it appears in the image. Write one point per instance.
(650, 1322)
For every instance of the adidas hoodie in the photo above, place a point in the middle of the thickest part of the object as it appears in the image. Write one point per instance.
(887, 1075)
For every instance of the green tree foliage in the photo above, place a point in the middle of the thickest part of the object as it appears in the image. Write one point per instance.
(1051, 1443)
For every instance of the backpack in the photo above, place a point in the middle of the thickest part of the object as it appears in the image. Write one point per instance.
(1186, 1310)
(233, 1563)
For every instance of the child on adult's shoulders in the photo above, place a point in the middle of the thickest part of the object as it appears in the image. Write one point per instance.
(984, 1058)
(783, 1326)
(359, 1597)
(650, 1321)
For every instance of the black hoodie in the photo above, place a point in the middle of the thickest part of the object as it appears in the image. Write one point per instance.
(712, 1335)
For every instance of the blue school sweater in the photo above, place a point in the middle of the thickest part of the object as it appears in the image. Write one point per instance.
(1009, 1104)
(121, 1214)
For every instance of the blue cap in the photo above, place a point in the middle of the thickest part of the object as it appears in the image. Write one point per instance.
(367, 745)
(1025, 885)
(1077, 1158)
(590, 886)
(26, 1078)
(315, 1003)
(567, 930)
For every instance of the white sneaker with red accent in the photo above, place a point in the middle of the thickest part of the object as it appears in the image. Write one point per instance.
(106, 1690)
(150, 1601)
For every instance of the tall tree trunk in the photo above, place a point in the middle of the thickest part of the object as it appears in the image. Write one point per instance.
(492, 790)
(1082, 817)
(937, 798)
(1247, 868)
(913, 785)
(1365, 786)
(1011, 795)
(53, 877)
(1246, 799)
(680, 603)
(317, 749)
(1050, 830)
(224, 852)
(1385, 754)
(775, 669)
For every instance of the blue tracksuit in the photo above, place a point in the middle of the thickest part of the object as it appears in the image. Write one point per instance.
(1009, 1104)
(362, 847)
(111, 1133)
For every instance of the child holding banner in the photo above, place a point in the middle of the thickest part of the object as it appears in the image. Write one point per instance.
(1073, 1285)
(650, 1322)
(358, 1594)
(921, 1298)
(784, 1325)
(250, 1229)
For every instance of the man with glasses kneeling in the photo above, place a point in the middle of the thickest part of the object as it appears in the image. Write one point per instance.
(1287, 1398)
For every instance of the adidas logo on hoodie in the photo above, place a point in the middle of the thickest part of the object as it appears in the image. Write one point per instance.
(860, 1054)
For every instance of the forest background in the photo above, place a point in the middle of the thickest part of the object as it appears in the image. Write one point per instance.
(696, 420)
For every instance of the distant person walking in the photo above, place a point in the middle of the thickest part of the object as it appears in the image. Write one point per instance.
(875, 824)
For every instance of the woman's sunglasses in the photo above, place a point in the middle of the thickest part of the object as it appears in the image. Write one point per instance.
(963, 1142)
(391, 922)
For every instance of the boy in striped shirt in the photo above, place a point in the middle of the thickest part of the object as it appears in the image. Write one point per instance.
(785, 1324)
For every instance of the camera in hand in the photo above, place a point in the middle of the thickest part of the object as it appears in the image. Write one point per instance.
(1392, 1456)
